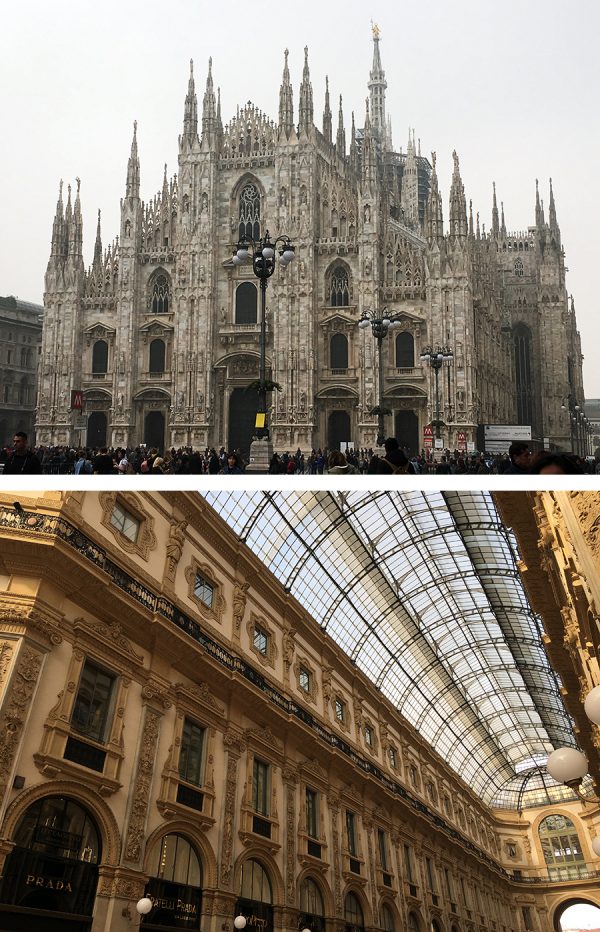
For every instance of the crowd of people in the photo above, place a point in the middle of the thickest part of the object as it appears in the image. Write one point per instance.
(519, 460)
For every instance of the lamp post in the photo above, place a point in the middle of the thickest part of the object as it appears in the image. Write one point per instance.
(576, 417)
(436, 359)
(264, 254)
(380, 327)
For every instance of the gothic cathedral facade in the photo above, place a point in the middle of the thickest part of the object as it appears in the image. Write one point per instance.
(161, 334)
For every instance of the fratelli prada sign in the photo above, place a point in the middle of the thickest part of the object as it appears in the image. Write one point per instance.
(185, 910)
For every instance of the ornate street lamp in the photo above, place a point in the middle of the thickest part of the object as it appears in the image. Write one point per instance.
(436, 359)
(571, 404)
(568, 765)
(380, 327)
(264, 254)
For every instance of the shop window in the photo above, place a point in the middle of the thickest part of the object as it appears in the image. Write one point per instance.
(353, 914)
(175, 886)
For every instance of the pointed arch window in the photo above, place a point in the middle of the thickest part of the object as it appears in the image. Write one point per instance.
(338, 351)
(524, 373)
(249, 212)
(405, 350)
(340, 287)
(519, 268)
(161, 294)
(100, 358)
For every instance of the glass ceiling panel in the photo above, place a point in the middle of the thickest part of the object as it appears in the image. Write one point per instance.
(422, 591)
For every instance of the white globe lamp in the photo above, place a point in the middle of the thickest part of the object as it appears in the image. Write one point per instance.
(288, 255)
(596, 845)
(592, 705)
(268, 252)
(144, 906)
(566, 765)
(240, 922)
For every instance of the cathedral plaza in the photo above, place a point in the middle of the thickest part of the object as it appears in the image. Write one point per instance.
(400, 315)
(318, 711)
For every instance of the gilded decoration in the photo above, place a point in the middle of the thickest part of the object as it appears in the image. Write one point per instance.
(213, 612)
(12, 722)
(146, 538)
(142, 786)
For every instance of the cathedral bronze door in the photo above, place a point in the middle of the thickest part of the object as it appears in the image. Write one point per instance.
(154, 430)
(407, 431)
(243, 405)
(97, 428)
(339, 429)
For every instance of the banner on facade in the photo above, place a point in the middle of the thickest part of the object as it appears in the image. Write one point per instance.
(76, 400)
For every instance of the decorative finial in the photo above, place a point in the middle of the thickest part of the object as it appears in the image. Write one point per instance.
(191, 67)
(433, 159)
(99, 212)
(60, 188)
(210, 65)
(286, 53)
(375, 30)
(455, 157)
(78, 180)
(135, 128)
(306, 54)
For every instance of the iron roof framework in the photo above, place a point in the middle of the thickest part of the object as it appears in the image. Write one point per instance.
(423, 593)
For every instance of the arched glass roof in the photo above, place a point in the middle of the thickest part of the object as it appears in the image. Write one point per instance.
(422, 591)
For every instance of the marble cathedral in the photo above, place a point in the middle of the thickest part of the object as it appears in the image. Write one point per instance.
(161, 334)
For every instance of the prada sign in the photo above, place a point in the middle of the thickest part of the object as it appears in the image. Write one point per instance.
(174, 905)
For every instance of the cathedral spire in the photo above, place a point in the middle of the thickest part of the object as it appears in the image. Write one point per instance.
(353, 146)
(458, 204)
(286, 101)
(470, 218)
(539, 211)
(409, 193)
(190, 114)
(58, 227)
(377, 88)
(495, 216)
(209, 111)
(340, 142)
(327, 116)
(98, 244)
(369, 158)
(434, 221)
(552, 214)
(502, 223)
(132, 188)
(76, 227)
(306, 99)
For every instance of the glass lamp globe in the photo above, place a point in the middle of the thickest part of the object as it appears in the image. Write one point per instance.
(240, 922)
(592, 705)
(242, 253)
(566, 765)
(144, 906)
(596, 845)
(268, 252)
(386, 322)
(305, 930)
(288, 254)
(363, 323)
(237, 260)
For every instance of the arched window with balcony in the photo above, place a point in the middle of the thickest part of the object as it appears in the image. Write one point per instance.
(160, 293)
(249, 212)
(340, 287)
(405, 350)
(338, 351)
(246, 304)
(100, 357)
(157, 357)
(561, 848)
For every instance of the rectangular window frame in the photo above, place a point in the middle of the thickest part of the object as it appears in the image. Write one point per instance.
(312, 813)
(100, 734)
(261, 786)
(195, 778)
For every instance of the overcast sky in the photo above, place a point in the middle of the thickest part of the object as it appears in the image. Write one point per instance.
(513, 86)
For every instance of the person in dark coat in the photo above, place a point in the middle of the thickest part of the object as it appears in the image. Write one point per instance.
(22, 460)
(393, 463)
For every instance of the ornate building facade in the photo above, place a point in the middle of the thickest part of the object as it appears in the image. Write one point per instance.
(20, 339)
(161, 333)
(175, 724)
